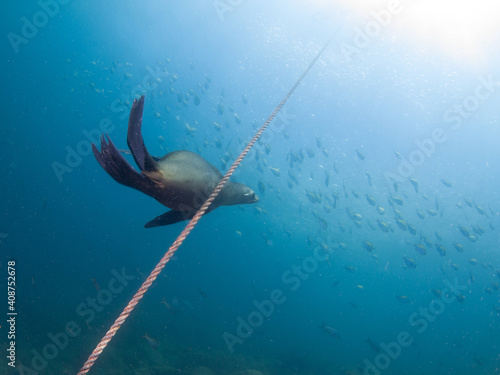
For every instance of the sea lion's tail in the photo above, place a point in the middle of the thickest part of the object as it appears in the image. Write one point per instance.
(117, 167)
(134, 138)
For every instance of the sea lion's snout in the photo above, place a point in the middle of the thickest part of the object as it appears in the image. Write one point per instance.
(252, 197)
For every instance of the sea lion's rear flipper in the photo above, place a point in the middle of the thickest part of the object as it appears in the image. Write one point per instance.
(117, 167)
(170, 217)
(134, 137)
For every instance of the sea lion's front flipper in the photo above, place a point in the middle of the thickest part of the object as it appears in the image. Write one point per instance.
(170, 217)
(117, 167)
(134, 137)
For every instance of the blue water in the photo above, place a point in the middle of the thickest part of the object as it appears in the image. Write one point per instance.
(252, 288)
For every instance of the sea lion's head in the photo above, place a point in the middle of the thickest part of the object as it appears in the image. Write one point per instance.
(248, 195)
(235, 193)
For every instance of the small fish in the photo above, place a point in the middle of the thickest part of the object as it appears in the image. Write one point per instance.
(169, 307)
(479, 230)
(152, 342)
(318, 142)
(472, 238)
(368, 246)
(403, 299)
(420, 249)
(410, 263)
(203, 295)
(371, 200)
(441, 250)
(350, 269)
(330, 330)
(437, 292)
(220, 109)
(267, 148)
(427, 241)
(412, 229)
(401, 224)
(375, 347)
(189, 129)
(383, 225)
(217, 126)
(96, 285)
(361, 156)
(275, 171)
(369, 177)
(415, 184)
(468, 203)
(447, 183)
(465, 232)
(480, 210)
(262, 187)
(398, 200)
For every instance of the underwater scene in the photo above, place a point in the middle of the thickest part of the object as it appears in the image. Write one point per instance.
(356, 230)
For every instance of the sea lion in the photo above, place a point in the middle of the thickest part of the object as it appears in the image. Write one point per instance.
(180, 180)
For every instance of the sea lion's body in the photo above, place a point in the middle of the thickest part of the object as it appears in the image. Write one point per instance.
(180, 180)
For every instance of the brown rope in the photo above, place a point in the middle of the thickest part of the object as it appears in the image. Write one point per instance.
(189, 227)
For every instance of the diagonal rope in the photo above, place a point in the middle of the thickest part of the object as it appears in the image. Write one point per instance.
(189, 227)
